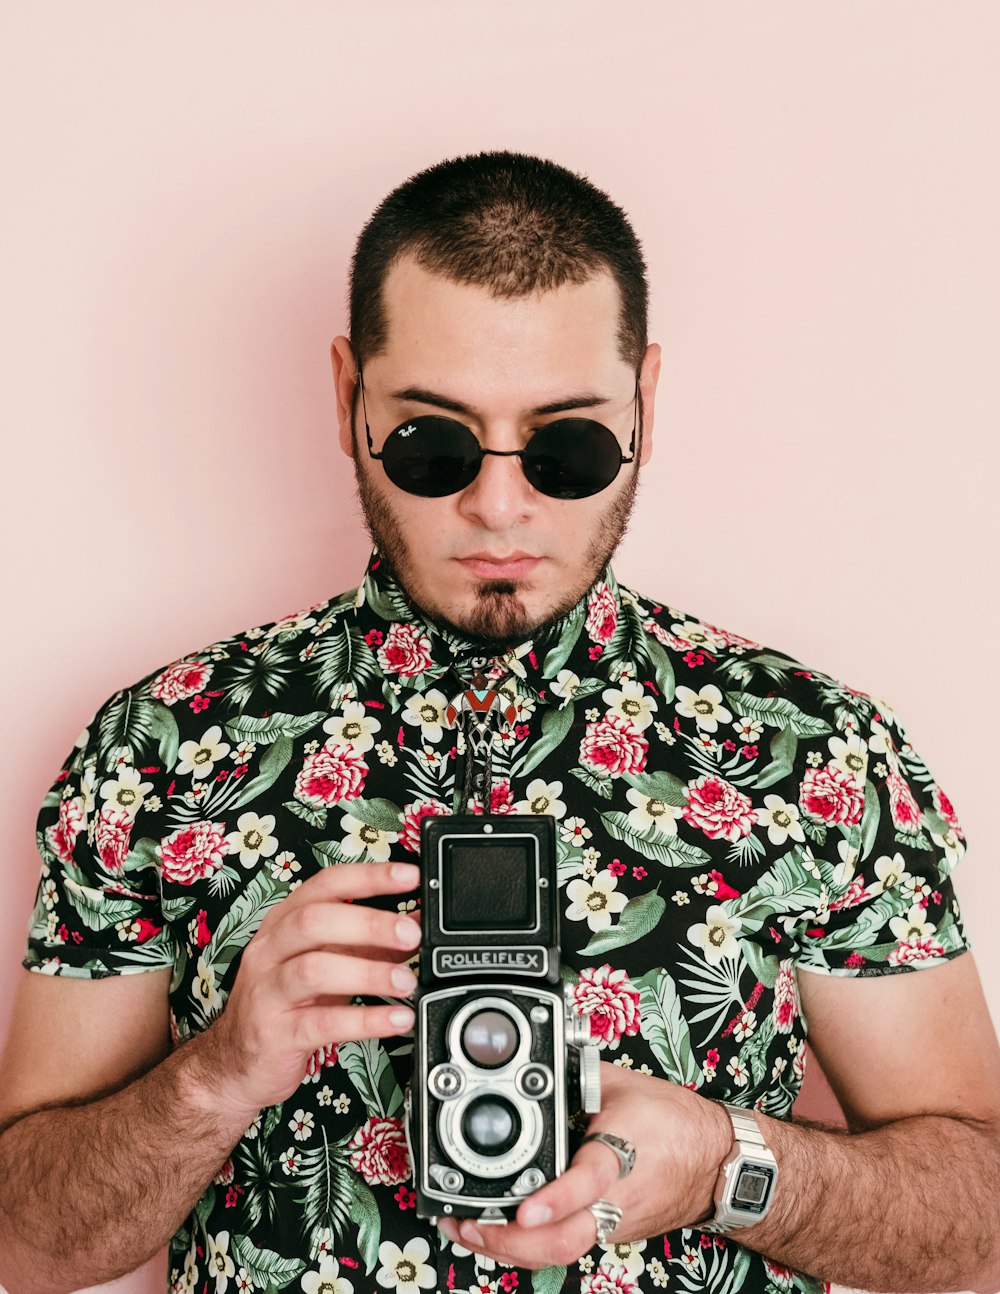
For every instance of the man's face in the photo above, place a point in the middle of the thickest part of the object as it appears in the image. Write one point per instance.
(498, 559)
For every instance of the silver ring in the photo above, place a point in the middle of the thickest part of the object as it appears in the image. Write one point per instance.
(624, 1150)
(607, 1216)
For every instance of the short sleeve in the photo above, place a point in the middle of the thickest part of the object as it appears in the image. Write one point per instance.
(97, 910)
(888, 861)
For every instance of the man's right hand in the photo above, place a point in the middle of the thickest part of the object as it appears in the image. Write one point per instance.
(313, 954)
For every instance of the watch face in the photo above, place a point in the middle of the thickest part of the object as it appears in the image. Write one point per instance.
(752, 1188)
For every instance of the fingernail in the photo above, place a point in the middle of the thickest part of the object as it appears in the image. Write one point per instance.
(407, 932)
(406, 873)
(401, 1017)
(533, 1215)
(403, 978)
(470, 1233)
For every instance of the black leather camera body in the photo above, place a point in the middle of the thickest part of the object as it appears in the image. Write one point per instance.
(500, 1060)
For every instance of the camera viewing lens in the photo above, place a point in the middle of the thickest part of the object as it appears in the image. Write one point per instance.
(491, 1125)
(490, 1038)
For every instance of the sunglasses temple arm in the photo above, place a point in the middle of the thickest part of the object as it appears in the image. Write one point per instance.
(364, 412)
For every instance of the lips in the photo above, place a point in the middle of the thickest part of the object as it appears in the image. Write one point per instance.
(494, 566)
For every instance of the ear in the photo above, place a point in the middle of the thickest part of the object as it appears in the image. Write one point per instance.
(649, 375)
(345, 379)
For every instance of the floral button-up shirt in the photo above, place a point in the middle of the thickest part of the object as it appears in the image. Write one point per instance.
(725, 817)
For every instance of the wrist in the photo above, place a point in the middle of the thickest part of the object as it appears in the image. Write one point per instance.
(717, 1141)
(204, 1079)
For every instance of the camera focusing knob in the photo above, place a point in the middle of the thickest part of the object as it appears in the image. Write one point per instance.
(449, 1179)
(445, 1081)
(590, 1079)
(530, 1180)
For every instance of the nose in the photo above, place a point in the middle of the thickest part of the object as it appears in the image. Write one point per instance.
(500, 497)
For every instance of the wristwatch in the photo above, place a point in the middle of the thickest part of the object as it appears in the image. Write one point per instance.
(745, 1187)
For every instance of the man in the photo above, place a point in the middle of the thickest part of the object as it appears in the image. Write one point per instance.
(216, 1046)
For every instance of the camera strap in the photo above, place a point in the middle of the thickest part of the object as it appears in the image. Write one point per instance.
(480, 712)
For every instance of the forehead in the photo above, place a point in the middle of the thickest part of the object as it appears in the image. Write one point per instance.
(438, 329)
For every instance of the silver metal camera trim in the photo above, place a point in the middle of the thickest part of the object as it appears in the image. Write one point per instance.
(514, 1158)
(506, 837)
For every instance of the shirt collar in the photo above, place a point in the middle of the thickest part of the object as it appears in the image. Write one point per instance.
(418, 653)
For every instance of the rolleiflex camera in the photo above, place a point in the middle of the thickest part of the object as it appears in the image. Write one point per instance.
(501, 1062)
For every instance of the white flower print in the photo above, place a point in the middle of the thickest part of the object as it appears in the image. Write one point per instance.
(739, 1071)
(595, 901)
(781, 820)
(205, 990)
(705, 707)
(428, 712)
(952, 846)
(574, 831)
(301, 1124)
(657, 1273)
(324, 1096)
(290, 1162)
(243, 1282)
(126, 791)
(652, 812)
(404, 1270)
(285, 866)
(890, 872)
(220, 1265)
(699, 635)
(632, 703)
(365, 841)
(913, 926)
(716, 935)
(199, 758)
(252, 839)
(565, 684)
(850, 755)
(748, 730)
(745, 1025)
(292, 624)
(845, 869)
(625, 1257)
(327, 1280)
(353, 727)
(542, 797)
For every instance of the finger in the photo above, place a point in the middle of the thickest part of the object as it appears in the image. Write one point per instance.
(590, 1176)
(313, 1027)
(336, 924)
(321, 974)
(345, 881)
(555, 1245)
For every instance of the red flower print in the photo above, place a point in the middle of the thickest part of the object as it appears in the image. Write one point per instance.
(405, 1199)
(712, 1058)
(723, 890)
(639, 873)
(602, 615)
(611, 1002)
(905, 810)
(146, 930)
(693, 659)
(617, 868)
(199, 703)
(322, 1058)
(831, 795)
(111, 839)
(612, 746)
(509, 1281)
(203, 935)
(406, 651)
(378, 1152)
(331, 774)
(62, 836)
(183, 679)
(786, 999)
(374, 637)
(718, 809)
(193, 852)
(413, 815)
(944, 807)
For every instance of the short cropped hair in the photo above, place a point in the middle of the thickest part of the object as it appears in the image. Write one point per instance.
(509, 222)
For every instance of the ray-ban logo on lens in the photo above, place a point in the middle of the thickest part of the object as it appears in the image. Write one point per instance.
(407, 431)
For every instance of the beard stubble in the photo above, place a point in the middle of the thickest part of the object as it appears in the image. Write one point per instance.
(498, 617)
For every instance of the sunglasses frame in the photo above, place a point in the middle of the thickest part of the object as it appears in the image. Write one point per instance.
(509, 453)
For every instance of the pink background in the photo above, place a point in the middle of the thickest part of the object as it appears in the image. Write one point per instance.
(815, 188)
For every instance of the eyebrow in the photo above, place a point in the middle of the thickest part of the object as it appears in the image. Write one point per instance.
(586, 400)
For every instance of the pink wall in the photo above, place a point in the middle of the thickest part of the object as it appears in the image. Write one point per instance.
(815, 187)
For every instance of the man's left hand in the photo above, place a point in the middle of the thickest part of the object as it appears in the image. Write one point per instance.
(680, 1139)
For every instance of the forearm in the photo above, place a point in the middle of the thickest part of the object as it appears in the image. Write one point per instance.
(93, 1190)
(910, 1206)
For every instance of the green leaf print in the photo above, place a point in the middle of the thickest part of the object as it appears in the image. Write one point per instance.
(754, 1051)
(163, 726)
(379, 813)
(329, 852)
(342, 656)
(273, 763)
(142, 856)
(127, 720)
(778, 713)
(869, 820)
(784, 746)
(663, 1026)
(264, 1266)
(243, 919)
(315, 817)
(372, 1074)
(653, 844)
(639, 916)
(659, 786)
(763, 965)
(548, 1280)
(95, 909)
(787, 887)
(555, 725)
(602, 786)
(366, 1217)
(244, 727)
(324, 1187)
(663, 670)
(568, 635)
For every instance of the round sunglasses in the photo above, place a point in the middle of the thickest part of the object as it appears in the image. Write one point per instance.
(432, 455)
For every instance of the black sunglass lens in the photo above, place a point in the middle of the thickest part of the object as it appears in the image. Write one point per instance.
(431, 456)
(572, 458)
